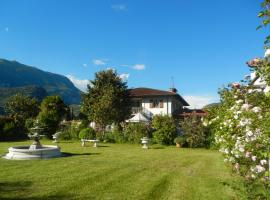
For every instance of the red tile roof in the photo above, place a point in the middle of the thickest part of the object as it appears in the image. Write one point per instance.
(146, 92)
(196, 112)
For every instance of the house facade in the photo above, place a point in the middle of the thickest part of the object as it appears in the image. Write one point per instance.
(156, 102)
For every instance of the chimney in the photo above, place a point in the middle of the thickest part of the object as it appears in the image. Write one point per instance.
(174, 90)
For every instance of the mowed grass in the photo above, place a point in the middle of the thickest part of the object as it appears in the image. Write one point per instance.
(119, 171)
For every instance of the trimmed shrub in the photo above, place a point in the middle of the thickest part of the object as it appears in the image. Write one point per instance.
(133, 132)
(180, 140)
(194, 132)
(165, 129)
(87, 133)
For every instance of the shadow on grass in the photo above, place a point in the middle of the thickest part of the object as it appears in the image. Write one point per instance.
(20, 190)
(156, 147)
(103, 146)
(66, 154)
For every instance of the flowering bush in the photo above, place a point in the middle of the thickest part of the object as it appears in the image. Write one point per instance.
(242, 127)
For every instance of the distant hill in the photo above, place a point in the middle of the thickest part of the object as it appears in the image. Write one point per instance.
(15, 77)
(32, 91)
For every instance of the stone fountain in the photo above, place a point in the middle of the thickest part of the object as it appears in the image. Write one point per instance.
(35, 150)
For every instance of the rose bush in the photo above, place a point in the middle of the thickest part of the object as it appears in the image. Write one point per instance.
(242, 127)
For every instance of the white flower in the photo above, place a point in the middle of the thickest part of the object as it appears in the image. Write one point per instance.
(245, 106)
(256, 109)
(244, 122)
(249, 133)
(259, 169)
(239, 101)
(263, 162)
(241, 149)
(267, 53)
(248, 154)
(253, 158)
(235, 117)
(237, 166)
(226, 151)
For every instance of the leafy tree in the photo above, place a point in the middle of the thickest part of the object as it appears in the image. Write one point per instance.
(21, 108)
(53, 110)
(165, 129)
(107, 99)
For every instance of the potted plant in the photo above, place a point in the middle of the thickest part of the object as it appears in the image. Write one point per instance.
(179, 141)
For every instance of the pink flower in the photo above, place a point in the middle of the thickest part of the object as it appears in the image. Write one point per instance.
(236, 85)
(248, 154)
(256, 62)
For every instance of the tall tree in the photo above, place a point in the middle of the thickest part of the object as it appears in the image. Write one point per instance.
(21, 108)
(53, 110)
(107, 99)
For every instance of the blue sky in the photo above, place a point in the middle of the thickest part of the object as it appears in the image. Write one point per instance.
(202, 44)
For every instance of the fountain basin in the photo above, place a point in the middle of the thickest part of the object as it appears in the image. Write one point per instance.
(24, 153)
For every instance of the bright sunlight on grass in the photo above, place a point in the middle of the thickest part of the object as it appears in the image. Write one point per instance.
(119, 171)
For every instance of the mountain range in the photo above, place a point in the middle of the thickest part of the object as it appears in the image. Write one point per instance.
(19, 78)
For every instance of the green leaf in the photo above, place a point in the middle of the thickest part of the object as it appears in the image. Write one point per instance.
(259, 27)
(265, 22)
(261, 14)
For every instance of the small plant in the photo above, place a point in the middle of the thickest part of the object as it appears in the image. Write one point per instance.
(179, 141)
(87, 133)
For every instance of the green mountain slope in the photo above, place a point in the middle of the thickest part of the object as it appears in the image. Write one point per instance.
(15, 75)
(33, 91)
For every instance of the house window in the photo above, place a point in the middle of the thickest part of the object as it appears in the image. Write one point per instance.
(136, 103)
(156, 104)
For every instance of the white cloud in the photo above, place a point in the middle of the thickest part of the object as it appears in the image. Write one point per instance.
(81, 84)
(119, 7)
(99, 62)
(6, 29)
(85, 65)
(139, 67)
(124, 77)
(200, 101)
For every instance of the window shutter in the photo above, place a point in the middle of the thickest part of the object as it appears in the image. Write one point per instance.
(151, 104)
(161, 104)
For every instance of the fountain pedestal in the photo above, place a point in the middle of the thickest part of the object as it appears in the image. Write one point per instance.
(34, 151)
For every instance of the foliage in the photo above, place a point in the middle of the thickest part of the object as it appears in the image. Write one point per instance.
(133, 132)
(20, 108)
(9, 130)
(165, 129)
(107, 99)
(264, 14)
(194, 131)
(180, 140)
(53, 110)
(87, 133)
(242, 132)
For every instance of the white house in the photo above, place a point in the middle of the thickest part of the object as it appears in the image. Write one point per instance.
(156, 102)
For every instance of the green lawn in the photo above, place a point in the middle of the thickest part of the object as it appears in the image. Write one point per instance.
(119, 171)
